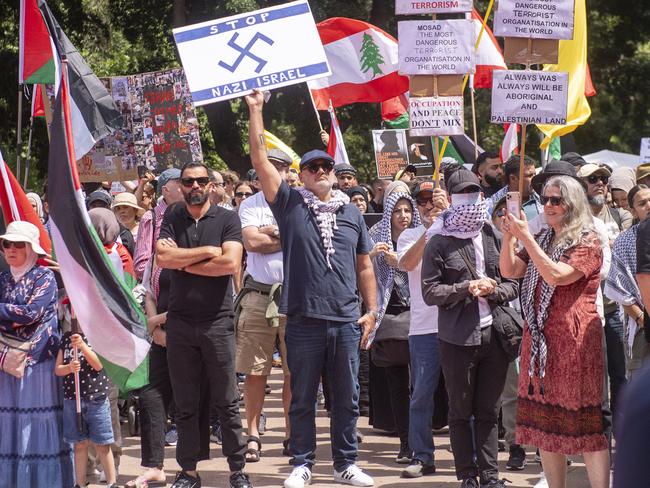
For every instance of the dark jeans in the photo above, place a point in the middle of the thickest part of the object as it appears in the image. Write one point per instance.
(615, 339)
(314, 346)
(196, 352)
(399, 390)
(475, 377)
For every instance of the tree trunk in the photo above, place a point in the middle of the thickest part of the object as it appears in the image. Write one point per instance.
(180, 14)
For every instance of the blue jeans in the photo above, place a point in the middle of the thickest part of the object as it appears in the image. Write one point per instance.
(315, 346)
(425, 373)
(96, 425)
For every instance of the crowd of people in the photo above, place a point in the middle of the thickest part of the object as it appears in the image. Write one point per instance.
(435, 295)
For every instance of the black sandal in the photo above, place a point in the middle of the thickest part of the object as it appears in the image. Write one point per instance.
(285, 448)
(255, 454)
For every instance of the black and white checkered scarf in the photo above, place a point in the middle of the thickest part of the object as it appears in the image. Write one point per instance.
(536, 316)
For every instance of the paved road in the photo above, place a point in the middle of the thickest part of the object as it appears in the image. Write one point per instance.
(376, 455)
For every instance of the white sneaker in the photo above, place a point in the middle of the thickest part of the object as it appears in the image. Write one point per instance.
(299, 477)
(542, 483)
(102, 474)
(352, 475)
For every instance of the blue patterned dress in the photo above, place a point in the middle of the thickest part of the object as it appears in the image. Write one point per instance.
(32, 451)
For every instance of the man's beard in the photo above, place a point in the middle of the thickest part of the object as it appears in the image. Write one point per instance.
(194, 198)
(597, 200)
(492, 182)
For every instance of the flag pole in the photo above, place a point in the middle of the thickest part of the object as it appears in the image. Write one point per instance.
(474, 127)
(29, 150)
(19, 131)
(313, 104)
(75, 356)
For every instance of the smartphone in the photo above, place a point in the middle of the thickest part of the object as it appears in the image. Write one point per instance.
(513, 203)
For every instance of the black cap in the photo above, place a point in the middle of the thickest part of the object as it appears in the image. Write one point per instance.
(574, 159)
(461, 180)
(341, 169)
(99, 196)
(357, 190)
(315, 155)
(554, 168)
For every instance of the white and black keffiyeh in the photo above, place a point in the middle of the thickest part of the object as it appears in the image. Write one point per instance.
(536, 317)
(325, 213)
(387, 276)
(461, 221)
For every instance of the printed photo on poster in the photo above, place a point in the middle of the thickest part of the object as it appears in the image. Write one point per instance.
(391, 153)
(420, 154)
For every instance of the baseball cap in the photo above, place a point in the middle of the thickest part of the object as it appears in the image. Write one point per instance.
(314, 155)
(574, 159)
(279, 156)
(409, 169)
(166, 176)
(461, 180)
(251, 175)
(591, 169)
(554, 168)
(99, 196)
(341, 169)
(425, 185)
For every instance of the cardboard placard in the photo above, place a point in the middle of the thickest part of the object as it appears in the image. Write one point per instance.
(529, 97)
(424, 85)
(542, 51)
(436, 116)
(538, 19)
(436, 47)
(268, 48)
(432, 6)
(397, 148)
(644, 153)
(160, 128)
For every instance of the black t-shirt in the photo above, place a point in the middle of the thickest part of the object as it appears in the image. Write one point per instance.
(92, 383)
(194, 298)
(310, 288)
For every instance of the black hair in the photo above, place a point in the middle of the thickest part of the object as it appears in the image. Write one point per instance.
(485, 155)
(511, 166)
(632, 193)
(194, 164)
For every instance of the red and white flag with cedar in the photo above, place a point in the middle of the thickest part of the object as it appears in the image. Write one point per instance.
(336, 146)
(363, 60)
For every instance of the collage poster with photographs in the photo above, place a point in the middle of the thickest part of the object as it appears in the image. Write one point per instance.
(160, 128)
(395, 149)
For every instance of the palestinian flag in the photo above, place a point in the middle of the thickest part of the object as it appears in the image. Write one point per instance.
(93, 111)
(16, 206)
(363, 60)
(105, 308)
(36, 53)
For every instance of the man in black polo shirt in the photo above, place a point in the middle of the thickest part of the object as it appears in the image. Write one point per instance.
(202, 243)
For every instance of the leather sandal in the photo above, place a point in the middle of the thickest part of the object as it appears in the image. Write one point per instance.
(255, 454)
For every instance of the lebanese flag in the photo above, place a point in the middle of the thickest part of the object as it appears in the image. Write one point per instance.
(36, 59)
(363, 60)
(510, 142)
(336, 146)
(16, 206)
(105, 307)
(489, 56)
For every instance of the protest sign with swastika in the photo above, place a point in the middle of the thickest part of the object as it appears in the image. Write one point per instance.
(269, 48)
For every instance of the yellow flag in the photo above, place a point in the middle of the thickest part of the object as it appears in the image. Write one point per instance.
(272, 142)
(572, 58)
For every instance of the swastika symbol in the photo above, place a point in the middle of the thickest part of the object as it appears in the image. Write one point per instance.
(245, 52)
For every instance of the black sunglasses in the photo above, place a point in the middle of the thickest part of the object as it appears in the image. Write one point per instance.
(327, 167)
(189, 182)
(422, 201)
(593, 179)
(555, 201)
(242, 194)
(17, 245)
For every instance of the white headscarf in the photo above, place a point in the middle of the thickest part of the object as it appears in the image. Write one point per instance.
(30, 260)
(39, 204)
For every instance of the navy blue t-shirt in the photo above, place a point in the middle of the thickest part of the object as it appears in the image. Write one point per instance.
(311, 289)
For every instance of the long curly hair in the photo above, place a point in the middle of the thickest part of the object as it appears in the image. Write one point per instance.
(578, 220)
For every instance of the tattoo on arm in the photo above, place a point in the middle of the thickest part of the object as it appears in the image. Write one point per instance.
(262, 141)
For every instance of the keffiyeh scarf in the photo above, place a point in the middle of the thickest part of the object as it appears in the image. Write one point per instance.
(536, 317)
(325, 213)
(388, 277)
(461, 220)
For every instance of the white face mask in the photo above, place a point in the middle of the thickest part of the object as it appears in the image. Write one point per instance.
(458, 199)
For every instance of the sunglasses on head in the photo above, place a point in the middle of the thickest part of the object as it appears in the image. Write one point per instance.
(554, 201)
(16, 245)
(189, 182)
(593, 179)
(326, 166)
(243, 194)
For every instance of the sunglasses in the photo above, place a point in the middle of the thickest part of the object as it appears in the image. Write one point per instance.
(554, 201)
(593, 179)
(16, 245)
(422, 201)
(243, 194)
(189, 182)
(500, 212)
(326, 166)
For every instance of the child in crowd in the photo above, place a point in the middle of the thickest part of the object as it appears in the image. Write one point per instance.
(95, 408)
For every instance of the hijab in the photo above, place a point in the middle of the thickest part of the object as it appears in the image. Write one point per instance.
(30, 261)
(106, 224)
(39, 204)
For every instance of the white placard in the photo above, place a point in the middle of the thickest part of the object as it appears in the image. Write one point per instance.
(436, 116)
(539, 19)
(436, 47)
(432, 7)
(644, 153)
(529, 97)
(268, 48)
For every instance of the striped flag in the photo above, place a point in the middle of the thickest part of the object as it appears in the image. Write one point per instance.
(105, 308)
(36, 62)
(363, 60)
(93, 111)
(336, 146)
(38, 105)
(510, 142)
(488, 54)
(16, 206)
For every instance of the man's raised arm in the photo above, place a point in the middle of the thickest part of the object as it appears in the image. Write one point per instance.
(268, 176)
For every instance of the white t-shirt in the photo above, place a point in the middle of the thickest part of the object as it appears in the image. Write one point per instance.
(264, 268)
(424, 319)
(484, 310)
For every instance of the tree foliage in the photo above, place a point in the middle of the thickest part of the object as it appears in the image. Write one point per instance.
(131, 36)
